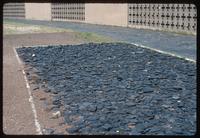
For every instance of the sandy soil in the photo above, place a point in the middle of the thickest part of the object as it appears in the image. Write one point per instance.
(18, 117)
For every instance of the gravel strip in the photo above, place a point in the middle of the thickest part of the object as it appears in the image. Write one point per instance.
(117, 88)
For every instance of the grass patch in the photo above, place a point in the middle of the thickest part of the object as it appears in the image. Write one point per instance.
(176, 32)
(173, 32)
(6, 22)
(92, 37)
(10, 28)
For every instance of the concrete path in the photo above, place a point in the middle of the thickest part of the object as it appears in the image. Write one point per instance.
(179, 44)
(18, 116)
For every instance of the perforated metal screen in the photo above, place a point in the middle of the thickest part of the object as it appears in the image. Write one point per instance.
(175, 17)
(68, 11)
(14, 10)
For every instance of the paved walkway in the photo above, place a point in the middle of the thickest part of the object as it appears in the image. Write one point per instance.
(17, 114)
(18, 118)
(181, 45)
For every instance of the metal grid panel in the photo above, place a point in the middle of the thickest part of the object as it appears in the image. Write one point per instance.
(173, 17)
(68, 11)
(14, 10)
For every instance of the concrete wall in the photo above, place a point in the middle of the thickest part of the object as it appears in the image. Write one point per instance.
(14, 11)
(167, 17)
(106, 14)
(38, 11)
(72, 12)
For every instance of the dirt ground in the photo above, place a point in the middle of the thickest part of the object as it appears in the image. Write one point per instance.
(18, 116)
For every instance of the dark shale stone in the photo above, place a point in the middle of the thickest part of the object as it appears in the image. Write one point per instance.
(111, 85)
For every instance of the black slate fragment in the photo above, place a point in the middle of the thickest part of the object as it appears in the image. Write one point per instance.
(107, 86)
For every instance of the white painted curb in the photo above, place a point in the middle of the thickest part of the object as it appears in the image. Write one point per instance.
(37, 124)
(163, 52)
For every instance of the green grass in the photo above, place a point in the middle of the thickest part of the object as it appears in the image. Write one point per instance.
(11, 27)
(92, 37)
(177, 32)
(172, 31)
(14, 23)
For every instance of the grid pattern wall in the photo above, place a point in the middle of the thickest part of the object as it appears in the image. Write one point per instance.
(14, 10)
(173, 17)
(68, 11)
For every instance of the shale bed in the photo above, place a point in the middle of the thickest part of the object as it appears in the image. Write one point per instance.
(116, 88)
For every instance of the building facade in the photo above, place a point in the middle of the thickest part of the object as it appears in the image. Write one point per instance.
(168, 17)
